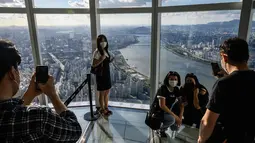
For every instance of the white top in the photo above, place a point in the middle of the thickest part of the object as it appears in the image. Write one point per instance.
(97, 55)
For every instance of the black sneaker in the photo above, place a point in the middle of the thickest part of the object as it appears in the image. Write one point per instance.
(163, 134)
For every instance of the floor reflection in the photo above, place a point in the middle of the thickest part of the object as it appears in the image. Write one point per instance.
(127, 126)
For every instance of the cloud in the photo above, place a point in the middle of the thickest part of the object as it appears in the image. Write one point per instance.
(62, 19)
(125, 19)
(13, 20)
(190, 2)
(12, 3)
(124, 3)
(79, 3)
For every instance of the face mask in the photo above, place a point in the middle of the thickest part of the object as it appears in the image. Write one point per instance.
(189, 85)
(103, 44)
(222, 65)
(16, 83)
(172, 83)
(19, 94)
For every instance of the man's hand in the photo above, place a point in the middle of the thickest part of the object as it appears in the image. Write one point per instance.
(31, 92)
(221, 73)
(200, 140)
(48, 88)
(32, 87)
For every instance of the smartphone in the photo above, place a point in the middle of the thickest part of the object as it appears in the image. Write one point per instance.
(215, 68)
(42, 74)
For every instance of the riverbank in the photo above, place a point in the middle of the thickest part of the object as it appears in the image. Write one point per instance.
(120, 63)
(185, 54)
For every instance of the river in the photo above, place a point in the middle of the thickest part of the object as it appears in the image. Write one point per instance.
(138, 56)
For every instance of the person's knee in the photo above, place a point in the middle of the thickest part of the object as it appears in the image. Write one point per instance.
(170, 119)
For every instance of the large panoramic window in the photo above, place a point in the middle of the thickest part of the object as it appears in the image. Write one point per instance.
(190, 42)
(61, 3)
(129, 39)
(65, 44)
(124, 3)
(252, 45)
(12, 3)
(193, 2)
(14, 27)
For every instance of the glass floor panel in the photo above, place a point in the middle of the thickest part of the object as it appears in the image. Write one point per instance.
(127, 126)
(79, 112)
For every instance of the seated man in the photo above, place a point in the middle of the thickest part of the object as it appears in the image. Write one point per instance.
(19, 123)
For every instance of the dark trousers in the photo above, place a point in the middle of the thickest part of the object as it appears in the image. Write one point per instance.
(192, 116)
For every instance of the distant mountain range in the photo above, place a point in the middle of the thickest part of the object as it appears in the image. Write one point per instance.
(233, 24)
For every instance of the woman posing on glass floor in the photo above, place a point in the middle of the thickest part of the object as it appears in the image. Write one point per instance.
(196, 97)
(101, 61)
(167, 98)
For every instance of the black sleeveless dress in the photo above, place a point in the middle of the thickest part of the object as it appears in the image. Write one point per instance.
(104, 81)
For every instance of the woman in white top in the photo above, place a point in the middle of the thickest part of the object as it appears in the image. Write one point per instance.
(101, 61)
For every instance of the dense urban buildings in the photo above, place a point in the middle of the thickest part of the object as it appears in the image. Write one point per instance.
(67, 51)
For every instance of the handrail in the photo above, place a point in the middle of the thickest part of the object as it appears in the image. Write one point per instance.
(69, 99)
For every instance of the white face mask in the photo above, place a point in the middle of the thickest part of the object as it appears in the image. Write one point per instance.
(19, 94)
(223, 66)
(103, 44)
(173, 83)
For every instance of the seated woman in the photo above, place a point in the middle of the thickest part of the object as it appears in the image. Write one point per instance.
(165, 99)
(195, 96)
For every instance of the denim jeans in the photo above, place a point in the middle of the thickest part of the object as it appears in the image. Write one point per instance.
(168, 121)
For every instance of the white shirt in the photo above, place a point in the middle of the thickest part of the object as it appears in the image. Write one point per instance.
(97, 55)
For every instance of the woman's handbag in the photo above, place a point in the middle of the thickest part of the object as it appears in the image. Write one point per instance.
(97, 70)
(153, 120)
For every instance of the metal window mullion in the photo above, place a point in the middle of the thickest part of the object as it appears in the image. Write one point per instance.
(201, 7)
(61, 10)
(94, 22)
(34, 41)
(95, 30)
(246, 20)
(155, 49)
(124, 10)
(12, 10)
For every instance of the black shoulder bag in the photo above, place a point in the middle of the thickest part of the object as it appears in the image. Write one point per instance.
(153, 120)
(98, 70)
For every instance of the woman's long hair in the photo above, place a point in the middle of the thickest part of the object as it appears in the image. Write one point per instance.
(172, 73)
(100, 49)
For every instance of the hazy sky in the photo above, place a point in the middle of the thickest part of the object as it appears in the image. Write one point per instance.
(115, 19)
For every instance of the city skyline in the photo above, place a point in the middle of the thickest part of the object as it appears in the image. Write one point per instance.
(190, 18)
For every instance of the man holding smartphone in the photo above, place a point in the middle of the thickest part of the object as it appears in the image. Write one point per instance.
(229, 115)
(19, 123)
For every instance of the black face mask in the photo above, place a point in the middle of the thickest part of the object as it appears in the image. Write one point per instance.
(189, 86)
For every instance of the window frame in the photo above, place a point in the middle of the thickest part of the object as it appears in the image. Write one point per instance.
(155, 10)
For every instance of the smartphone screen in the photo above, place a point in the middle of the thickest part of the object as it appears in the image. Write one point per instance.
(42, 74)
(216, 68)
